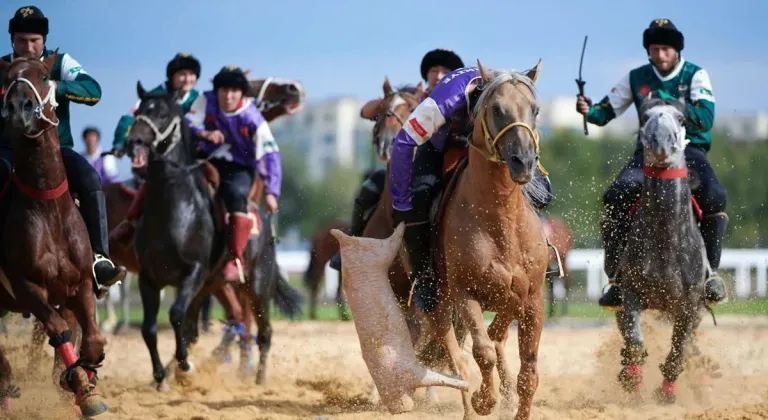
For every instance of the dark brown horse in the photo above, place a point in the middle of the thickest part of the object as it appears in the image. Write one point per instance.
(323, 247)
(44, 235)
(275, 98)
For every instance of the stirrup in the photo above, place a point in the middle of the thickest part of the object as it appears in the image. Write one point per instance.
(97, 258)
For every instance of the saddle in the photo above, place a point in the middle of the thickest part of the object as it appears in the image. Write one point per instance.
(212, 179)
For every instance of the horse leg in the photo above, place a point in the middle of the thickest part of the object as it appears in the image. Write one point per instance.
(75, 378)
(498, 332)
(247, 364)
(109, 325)
(150, 301)
(8, 391)
(125, 304)
(36, 352)
(529, 336)
(341, 301)
(682, 332)
(550, 279)
(263, 337)
(190, 286)
(314, 290)
(83, 306)
(228, 299)
(567, 285)
(442, 321)
(484, 352)
(634, 353)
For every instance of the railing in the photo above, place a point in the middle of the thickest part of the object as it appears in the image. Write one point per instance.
(741, 261)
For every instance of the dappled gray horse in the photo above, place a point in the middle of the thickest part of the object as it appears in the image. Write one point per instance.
(664, 263)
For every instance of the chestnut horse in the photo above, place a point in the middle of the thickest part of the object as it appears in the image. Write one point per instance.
(491, 242)
(44, 235)
(275, 98)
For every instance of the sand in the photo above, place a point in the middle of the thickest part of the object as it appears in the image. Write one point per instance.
(315, 371)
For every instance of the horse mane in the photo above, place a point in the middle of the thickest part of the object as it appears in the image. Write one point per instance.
(533, 192)
(408, 90)
(651, 103)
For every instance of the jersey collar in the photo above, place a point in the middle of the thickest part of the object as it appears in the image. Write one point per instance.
(672, 74)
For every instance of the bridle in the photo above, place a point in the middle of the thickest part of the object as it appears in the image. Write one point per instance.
(491, 151)
(39, 111)
(173, 130)
(396, 101)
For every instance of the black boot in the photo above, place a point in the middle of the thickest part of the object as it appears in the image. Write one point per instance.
(712, 231)
(417, 243)
(614, 231)
(94, 211)
(365, 204)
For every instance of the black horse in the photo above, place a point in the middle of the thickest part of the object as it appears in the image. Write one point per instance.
(178, 242)
(181, 241)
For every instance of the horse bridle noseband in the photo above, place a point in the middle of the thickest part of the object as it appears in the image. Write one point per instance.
(173, 129)
(39, 112)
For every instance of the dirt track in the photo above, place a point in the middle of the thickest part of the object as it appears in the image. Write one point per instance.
(316, 371)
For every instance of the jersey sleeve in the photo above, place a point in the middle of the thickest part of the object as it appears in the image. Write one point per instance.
(75, 84)
(618, 100)
(700, 112)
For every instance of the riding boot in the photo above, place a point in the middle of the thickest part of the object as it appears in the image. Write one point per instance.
(417, 243)
(123, 233)
(712, 231)
(240, 225)
(105, 273)
(365, 203)
(614, 232)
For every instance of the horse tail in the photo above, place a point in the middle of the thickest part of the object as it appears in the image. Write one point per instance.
(287, 299)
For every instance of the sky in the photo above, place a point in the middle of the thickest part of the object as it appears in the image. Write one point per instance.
(347, 47)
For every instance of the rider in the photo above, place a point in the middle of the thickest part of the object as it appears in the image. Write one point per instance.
(106, 166)
(415, 180)
(243, 144)
(182, 73)
(434, 66)
(667, 76)
(29, 30)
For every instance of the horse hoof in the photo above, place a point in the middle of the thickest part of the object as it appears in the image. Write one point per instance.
(162, 386)
(184, 377)
(665, 394)
(631, 378)
(483, 404)
(93, 405)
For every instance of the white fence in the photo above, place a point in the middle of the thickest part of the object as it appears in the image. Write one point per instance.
(741, 261)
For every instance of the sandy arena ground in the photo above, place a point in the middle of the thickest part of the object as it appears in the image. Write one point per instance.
(316, 372)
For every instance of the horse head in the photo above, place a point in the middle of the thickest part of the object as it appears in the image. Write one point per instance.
(29, 100)
(159, 129)
(662, 133)
(390, 113)
(505, 121)
(276, 97)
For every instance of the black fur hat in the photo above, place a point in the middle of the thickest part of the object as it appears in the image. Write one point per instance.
(663, 32)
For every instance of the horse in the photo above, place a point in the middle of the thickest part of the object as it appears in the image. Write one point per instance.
(179, 243)
(323, 247)
(491, 251)
(560, 236)
(663, 266)
(390, 112)
(275, 98)
(51, 276)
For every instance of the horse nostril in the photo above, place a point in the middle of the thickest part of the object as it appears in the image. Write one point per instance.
(293, 89)
(27, 106)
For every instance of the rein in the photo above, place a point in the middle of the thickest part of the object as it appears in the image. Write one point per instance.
(50, 98)
(491, 153)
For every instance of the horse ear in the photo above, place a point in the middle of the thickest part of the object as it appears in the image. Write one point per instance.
(51, 60)
(533, 73)
(140, 90)
(419, 90)
(484, 74)
(387, 87)
(369, 110)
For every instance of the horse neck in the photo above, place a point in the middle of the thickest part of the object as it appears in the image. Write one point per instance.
(38, 162)
(666, 202)
(274, 113)
(492, 189)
